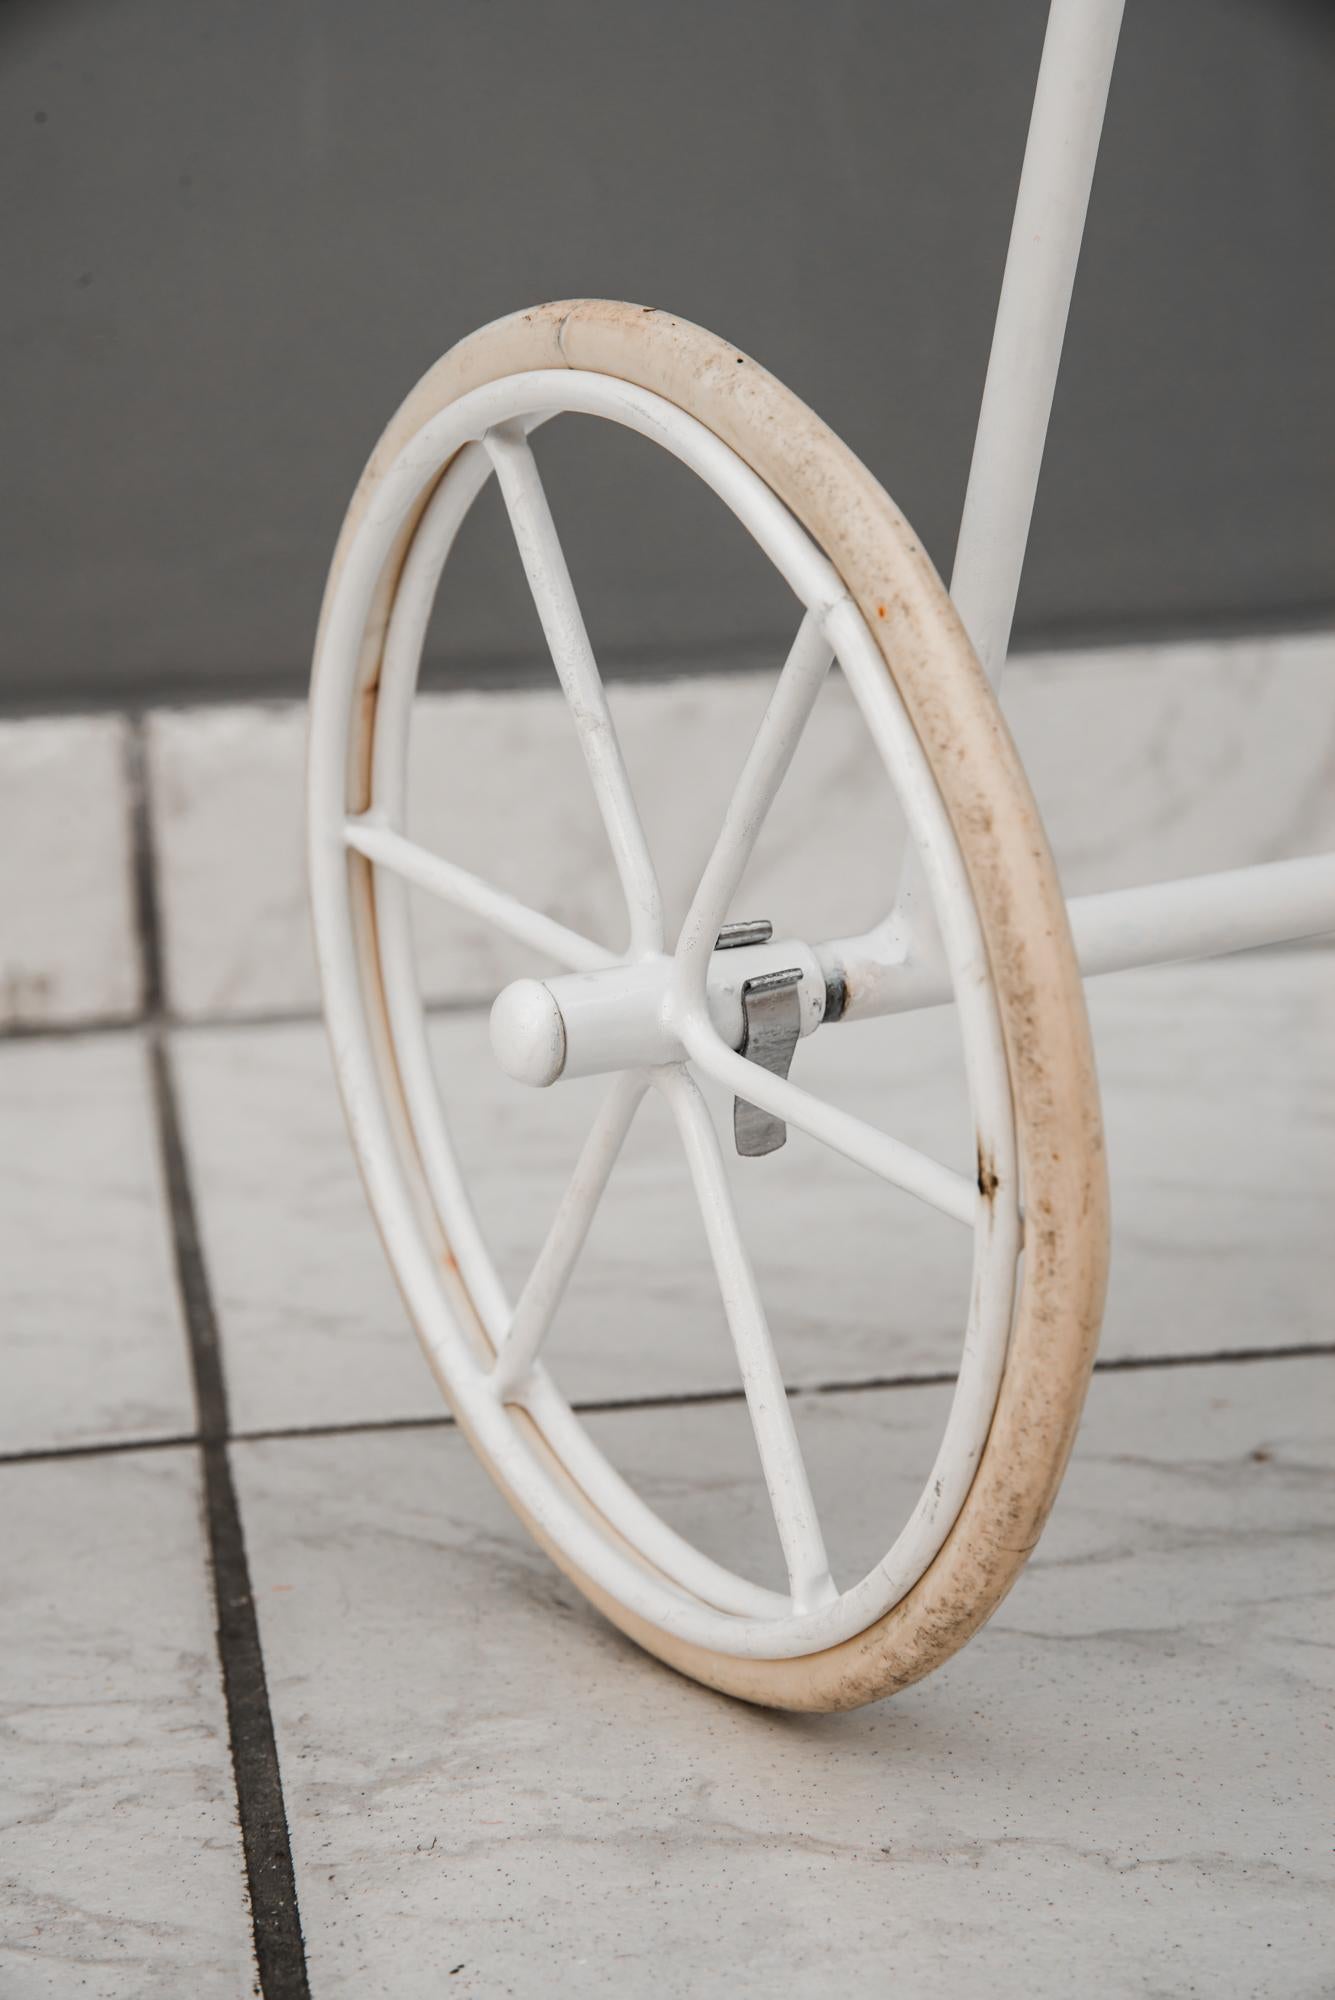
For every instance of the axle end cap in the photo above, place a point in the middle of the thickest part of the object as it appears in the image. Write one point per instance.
(528, 1035)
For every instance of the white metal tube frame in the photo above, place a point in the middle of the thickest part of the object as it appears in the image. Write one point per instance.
(499, 1374)
(646, 1014)
(899, 965)
(601, 1023)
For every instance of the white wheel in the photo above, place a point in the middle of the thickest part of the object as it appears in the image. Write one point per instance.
(656, 1014)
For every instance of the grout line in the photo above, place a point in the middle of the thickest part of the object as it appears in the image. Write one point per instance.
(43, 1454)
(1129, 1364)
(438, 1420)
(66, 1031)
(940, 1378)
(280, 1952)
(143, 865)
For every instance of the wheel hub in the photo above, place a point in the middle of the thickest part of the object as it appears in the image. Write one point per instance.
(760, 998)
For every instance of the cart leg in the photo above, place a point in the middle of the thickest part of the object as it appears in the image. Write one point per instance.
(1060, 152)
(1031, 319)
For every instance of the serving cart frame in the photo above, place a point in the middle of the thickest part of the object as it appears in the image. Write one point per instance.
(977, 917)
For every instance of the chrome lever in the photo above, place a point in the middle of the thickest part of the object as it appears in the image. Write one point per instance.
(771, 1027)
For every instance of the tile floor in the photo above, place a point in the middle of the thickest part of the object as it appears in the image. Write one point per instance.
(1121, 1787)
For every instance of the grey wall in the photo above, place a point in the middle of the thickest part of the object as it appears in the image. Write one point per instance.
(235, 234)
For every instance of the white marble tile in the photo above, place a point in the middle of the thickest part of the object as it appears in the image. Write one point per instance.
(1151, 762)
(498, 785)
(121, 1856)
(1117, 1787)
(1148, 762)
(1219, 1104)
(226, 787)
(1218, 1081)
(92, 1344)
(67, 938)
(312, 1327)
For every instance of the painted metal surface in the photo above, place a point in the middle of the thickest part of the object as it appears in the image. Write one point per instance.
(1048, 227)
(953, 773)
(772, 1027)
(605, 1007)
(618, 1015)
(651, 1016)
(816, 1613)
(1160, 923)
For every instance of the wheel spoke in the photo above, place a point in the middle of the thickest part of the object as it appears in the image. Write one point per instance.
(800, 681)
(916, 1173)
(547, 1281)
(794, 1510)
(563, 623)
(370, 836)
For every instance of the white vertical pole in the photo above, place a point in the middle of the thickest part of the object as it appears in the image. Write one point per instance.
(1055, 180)
(1059, 156)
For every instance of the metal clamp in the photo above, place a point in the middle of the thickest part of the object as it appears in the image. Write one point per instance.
(772, 1025)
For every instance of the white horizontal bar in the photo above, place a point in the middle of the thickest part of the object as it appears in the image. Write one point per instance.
(1206, 915)
(1203, 916)
(370, 836)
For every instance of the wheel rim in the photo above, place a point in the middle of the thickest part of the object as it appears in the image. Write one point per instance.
(357, 759)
